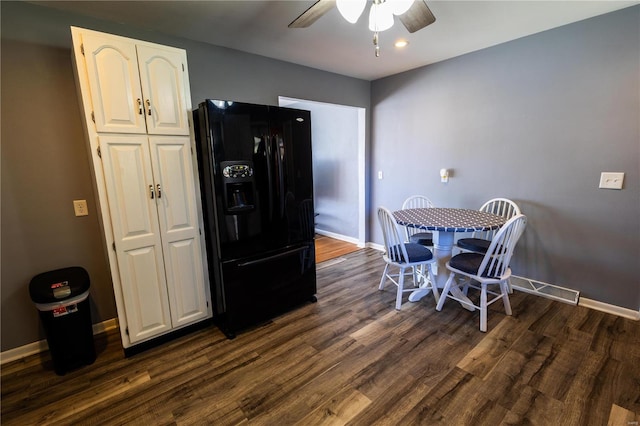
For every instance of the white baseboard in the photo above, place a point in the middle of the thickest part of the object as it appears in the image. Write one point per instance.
(340, 237)
(379, 247)
(41, 346)
(610, 309)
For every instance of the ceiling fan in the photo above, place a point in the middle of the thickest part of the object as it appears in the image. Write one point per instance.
(414, 14)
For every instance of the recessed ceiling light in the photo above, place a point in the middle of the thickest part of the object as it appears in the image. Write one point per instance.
(401, 43)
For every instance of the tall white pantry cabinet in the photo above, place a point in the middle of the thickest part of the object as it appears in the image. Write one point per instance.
(136, 102)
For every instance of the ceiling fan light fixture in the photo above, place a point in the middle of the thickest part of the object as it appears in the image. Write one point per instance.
(380, 16)
(351, 9)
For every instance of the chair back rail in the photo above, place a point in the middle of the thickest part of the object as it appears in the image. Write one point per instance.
(498, 206)
(496, 261)
(415, 202)
(393, 243)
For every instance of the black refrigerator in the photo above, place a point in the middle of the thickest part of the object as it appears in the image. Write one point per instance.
(257, 196)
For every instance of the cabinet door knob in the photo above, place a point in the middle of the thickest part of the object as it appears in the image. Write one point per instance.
(140, 106)
(159, 191)
(151, 191)
(148, 107)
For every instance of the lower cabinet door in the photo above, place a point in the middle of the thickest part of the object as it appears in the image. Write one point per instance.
(144, 292)
(132, 206)
(187, 297)
(179, 230)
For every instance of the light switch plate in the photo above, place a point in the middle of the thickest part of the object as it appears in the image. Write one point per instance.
(80, 207)
(611, 180)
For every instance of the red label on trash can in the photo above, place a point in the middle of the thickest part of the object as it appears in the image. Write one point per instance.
(65, 310)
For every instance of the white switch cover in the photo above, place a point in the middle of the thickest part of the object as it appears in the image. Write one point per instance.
(380, 174)
(611, 180)
(80, 207)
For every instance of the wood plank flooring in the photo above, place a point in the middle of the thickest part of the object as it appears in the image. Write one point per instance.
(352, 359)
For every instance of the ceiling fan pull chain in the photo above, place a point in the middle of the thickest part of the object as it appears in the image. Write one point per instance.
(375, 43)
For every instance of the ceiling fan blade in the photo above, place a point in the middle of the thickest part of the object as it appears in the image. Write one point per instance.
(312, 14)
(417, 17)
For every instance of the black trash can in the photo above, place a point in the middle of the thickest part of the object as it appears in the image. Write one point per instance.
(62, 299)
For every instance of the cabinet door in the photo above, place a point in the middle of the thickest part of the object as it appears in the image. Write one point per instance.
(177, 210)
(116, 96)
(162, 78)
(132, 205)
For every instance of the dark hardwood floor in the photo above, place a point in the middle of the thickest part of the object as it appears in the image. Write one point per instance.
(352, 359)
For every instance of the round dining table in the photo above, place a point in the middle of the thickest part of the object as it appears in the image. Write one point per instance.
(444, 223)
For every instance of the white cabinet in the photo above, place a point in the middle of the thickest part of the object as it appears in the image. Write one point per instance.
(135, 97)
(135, 88)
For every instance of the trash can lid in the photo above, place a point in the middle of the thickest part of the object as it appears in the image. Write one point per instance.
(59, 284)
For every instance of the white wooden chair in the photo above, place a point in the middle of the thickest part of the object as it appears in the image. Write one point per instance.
(415, 235)
(404, 255)
(483, 270)
(480, 240)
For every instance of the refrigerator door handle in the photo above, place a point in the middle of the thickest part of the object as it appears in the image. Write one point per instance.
(274, 257)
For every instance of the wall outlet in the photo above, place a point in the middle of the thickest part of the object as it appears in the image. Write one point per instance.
(80, 207)
(611, 180)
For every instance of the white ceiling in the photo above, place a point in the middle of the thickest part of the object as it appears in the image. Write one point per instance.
(331, 43)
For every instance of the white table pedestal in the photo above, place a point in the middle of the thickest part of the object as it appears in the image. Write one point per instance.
(443, 250)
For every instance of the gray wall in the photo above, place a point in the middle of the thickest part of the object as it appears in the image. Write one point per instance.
(535, 120)
(44, 161)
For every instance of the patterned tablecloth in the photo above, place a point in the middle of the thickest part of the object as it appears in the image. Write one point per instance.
(448, 219)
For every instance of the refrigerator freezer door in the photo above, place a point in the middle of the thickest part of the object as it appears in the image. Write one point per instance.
(259, 288)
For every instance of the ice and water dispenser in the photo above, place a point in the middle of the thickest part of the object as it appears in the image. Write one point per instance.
(238, 186)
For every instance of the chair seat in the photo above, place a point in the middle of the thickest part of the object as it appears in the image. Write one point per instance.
(416, 252)
(477, 245)
(422, 238)
(470, 263)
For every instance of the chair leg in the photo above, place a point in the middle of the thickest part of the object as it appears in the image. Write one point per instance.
(400, 289)
(504, 286)
(445, 291)
(384, 277)
(483, 308)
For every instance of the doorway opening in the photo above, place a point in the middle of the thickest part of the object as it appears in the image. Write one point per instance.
(338, 149)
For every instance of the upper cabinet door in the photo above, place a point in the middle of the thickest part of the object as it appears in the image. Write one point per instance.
(162, 76)
(112, 69)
